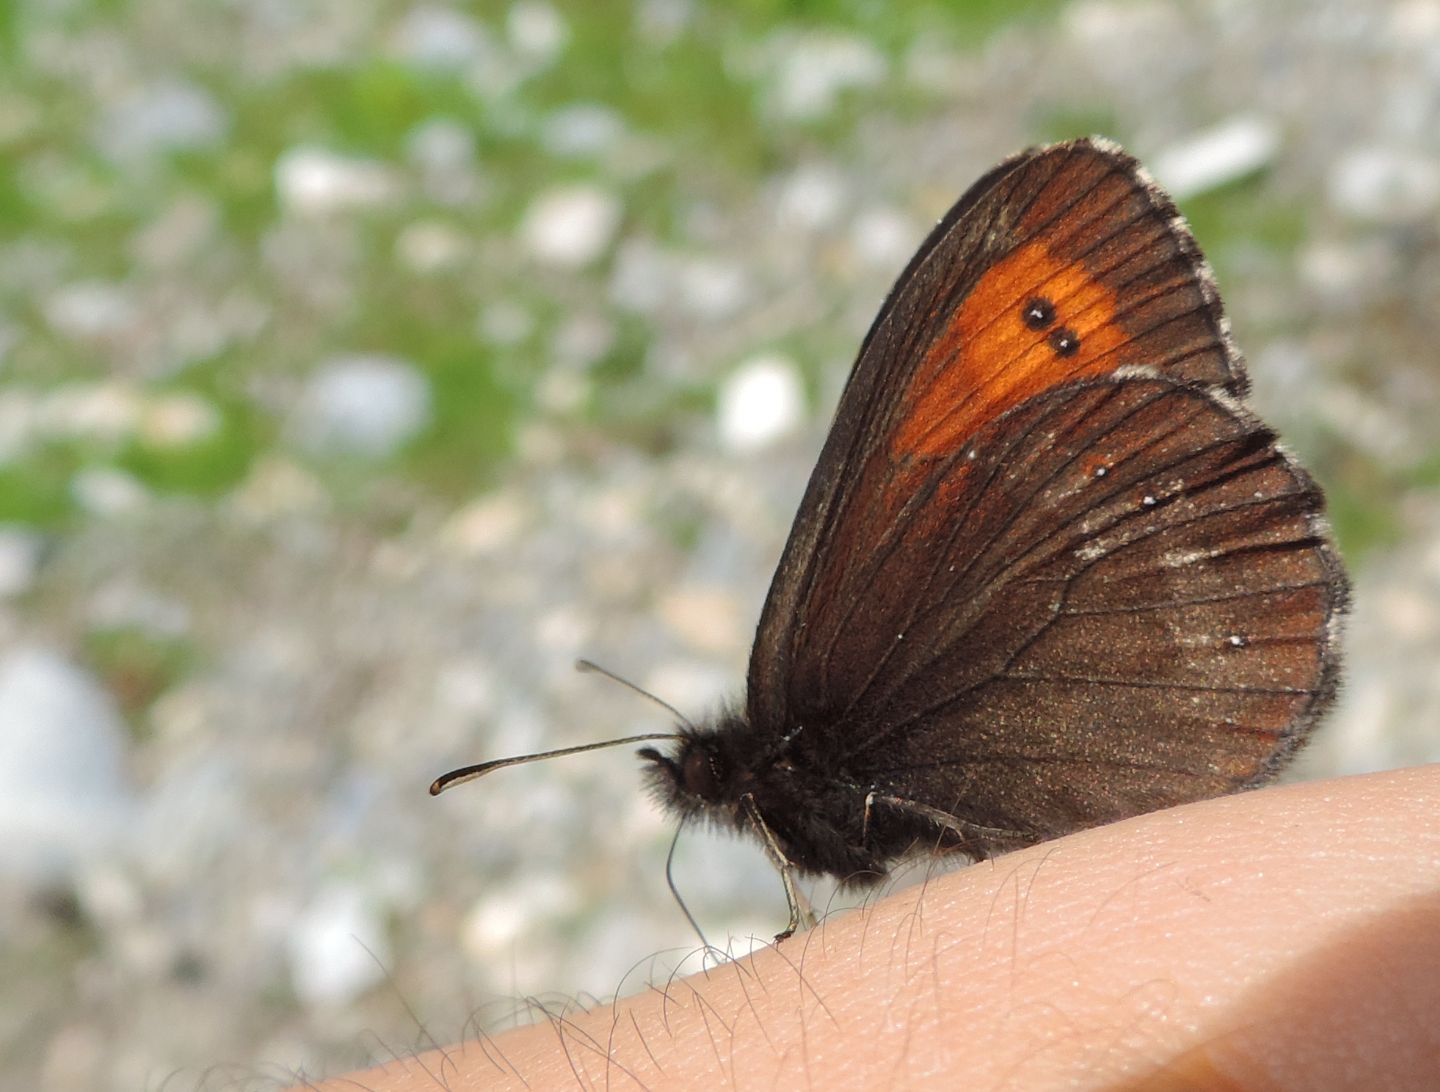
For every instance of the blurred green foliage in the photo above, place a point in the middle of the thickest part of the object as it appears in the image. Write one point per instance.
(137, 665)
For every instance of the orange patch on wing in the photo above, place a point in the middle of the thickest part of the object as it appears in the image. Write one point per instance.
(989, 359)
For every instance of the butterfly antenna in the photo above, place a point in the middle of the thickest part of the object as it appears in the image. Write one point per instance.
(590, 665)
(470, 773)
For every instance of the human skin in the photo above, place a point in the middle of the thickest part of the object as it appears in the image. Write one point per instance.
(1282, 939)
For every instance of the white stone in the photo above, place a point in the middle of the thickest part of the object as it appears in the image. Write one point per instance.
(277, 488)
(583, 340)
(466, 688)
(690, 685)
(761, 402)
(1413, 22)
(442, 150)
(816, 69)
(337, 946)
(63, 793)
(708, 619)
(641, 276)
(571, 226)
(89, 309)
(581, 129)
(563, 632)
(1203, 161)
(712, 287)
(429, 246)
(1388, 185)
(813, 197)
(660, 22)
(107, 491)
(317, 182)
(432, 36)
(177, 419)
(884, 238)
(537, 31)
(562, 391)
(485, 525)
(362, 405)
(162, 117)
(197, 802)
(497, 920)
(20, 423)
(20, 552)
(1348, 272)
(121, 604)
(441, 144)
(105, 412)
(505, 322)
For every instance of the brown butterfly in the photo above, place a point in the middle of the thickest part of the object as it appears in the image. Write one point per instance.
(1049, 571)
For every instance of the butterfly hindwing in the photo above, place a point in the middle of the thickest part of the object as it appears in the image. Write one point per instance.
(1125, 598)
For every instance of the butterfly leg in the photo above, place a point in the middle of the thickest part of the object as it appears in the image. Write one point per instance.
(801, 913)
(967, 831)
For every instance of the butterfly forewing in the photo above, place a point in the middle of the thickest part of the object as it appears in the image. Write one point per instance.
(1048, 572)
(952, 349)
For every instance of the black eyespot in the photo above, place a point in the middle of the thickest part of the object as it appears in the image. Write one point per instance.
(1038, 313)
(1064, 341)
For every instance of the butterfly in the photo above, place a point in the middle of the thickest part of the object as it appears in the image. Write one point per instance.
(1049, 571)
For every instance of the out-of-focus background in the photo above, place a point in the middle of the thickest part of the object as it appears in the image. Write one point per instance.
(364, 363)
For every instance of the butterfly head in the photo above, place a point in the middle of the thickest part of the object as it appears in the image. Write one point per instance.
(705, 772)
